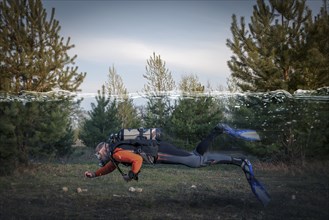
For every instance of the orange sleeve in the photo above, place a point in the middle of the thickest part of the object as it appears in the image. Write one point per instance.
(108, 168)
(126, 156)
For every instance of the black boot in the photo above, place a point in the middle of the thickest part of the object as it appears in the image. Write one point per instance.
(233, 161)
(237, 161)
(219, 128)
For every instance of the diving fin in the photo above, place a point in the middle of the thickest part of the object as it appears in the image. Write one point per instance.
(256, 187)
(249, 135)
(259, 191)
(246, 134)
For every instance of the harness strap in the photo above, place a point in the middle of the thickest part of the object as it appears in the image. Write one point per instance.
(116, 165)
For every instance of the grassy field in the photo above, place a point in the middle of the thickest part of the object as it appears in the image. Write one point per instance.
(169, 192)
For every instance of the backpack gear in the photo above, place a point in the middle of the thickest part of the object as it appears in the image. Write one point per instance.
(147, 149)
(142, 141)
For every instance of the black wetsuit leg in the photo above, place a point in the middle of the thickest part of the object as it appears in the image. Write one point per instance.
(203, 146)
(215, 158)
(170, 154)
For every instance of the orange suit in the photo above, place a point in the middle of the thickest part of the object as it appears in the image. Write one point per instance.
(122, 156)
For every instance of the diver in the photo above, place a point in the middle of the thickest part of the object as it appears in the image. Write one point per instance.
(134, 153)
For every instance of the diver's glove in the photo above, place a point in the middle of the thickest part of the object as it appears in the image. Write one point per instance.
(130, 176)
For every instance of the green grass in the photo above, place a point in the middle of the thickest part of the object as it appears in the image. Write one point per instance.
(221, 192)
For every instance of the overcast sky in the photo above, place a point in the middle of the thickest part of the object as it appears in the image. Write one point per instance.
(190, 36)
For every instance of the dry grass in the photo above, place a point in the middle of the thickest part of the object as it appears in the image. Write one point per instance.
(169, 192)
(320, 167)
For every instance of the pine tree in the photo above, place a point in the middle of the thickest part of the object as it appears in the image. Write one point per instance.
(8, 155)
(33, 56)
(127, 113)
(159, 81)
(194, 115)
(266, 55)
(103, 120)
(315, 54)
(159, 78)
(190, 85)
(48, 133)
(63, 146)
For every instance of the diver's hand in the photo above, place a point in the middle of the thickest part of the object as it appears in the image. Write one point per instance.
(89, 174)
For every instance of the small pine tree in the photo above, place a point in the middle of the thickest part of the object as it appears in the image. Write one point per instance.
(63, 147)
(315, 52)
(127, 112)
(103, 120)
(49, 133)
(8, 155)
(159, 80)
(194, 115)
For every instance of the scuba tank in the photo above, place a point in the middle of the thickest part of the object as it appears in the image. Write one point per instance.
(139, 134)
